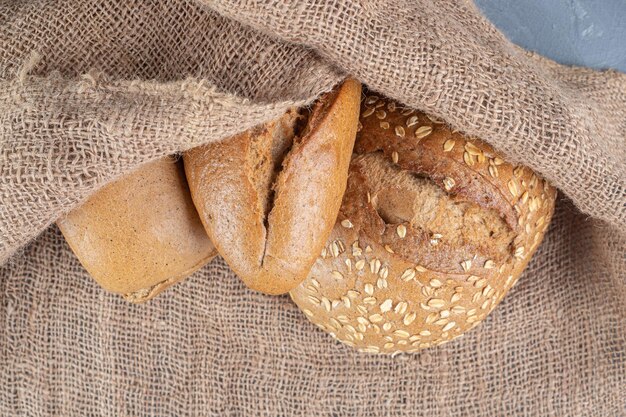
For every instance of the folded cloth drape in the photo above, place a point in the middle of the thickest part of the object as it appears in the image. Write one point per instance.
(90, 90)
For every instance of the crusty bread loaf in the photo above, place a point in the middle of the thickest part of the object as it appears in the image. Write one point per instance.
(269, 197)
(140, 234)
(433, 230)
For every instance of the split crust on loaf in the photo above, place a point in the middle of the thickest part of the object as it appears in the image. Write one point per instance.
(269, 146)
(442, 230)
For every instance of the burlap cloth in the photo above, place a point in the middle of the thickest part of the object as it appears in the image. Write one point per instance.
(91, 89)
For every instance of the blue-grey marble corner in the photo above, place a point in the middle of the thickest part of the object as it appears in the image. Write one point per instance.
(589, 33)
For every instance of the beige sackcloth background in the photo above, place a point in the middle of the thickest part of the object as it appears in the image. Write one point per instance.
(91, 89)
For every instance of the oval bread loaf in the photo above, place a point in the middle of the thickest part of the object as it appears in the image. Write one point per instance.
(140, 234)
(269, 197)
(433, 230)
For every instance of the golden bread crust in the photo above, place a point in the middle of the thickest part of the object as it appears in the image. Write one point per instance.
(270, 224)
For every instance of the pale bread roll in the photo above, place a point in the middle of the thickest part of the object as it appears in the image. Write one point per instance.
(141, 233)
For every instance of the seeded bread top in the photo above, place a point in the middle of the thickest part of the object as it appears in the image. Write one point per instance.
(433, 230)
(495, 201)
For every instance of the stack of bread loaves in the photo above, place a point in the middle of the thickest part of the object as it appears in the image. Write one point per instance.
(390, 230)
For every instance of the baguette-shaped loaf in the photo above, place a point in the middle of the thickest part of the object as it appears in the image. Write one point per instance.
(434, 229)
(141, 233)
(269, 197)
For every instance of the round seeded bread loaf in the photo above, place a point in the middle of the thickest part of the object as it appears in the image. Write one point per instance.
(433, 230)
(269, 197)
(140, 234)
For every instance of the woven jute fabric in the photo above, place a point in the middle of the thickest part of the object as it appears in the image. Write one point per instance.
(90, 90)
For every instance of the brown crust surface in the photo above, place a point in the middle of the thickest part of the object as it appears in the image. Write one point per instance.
(433, 230)
(140, 234)
(269, 197)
